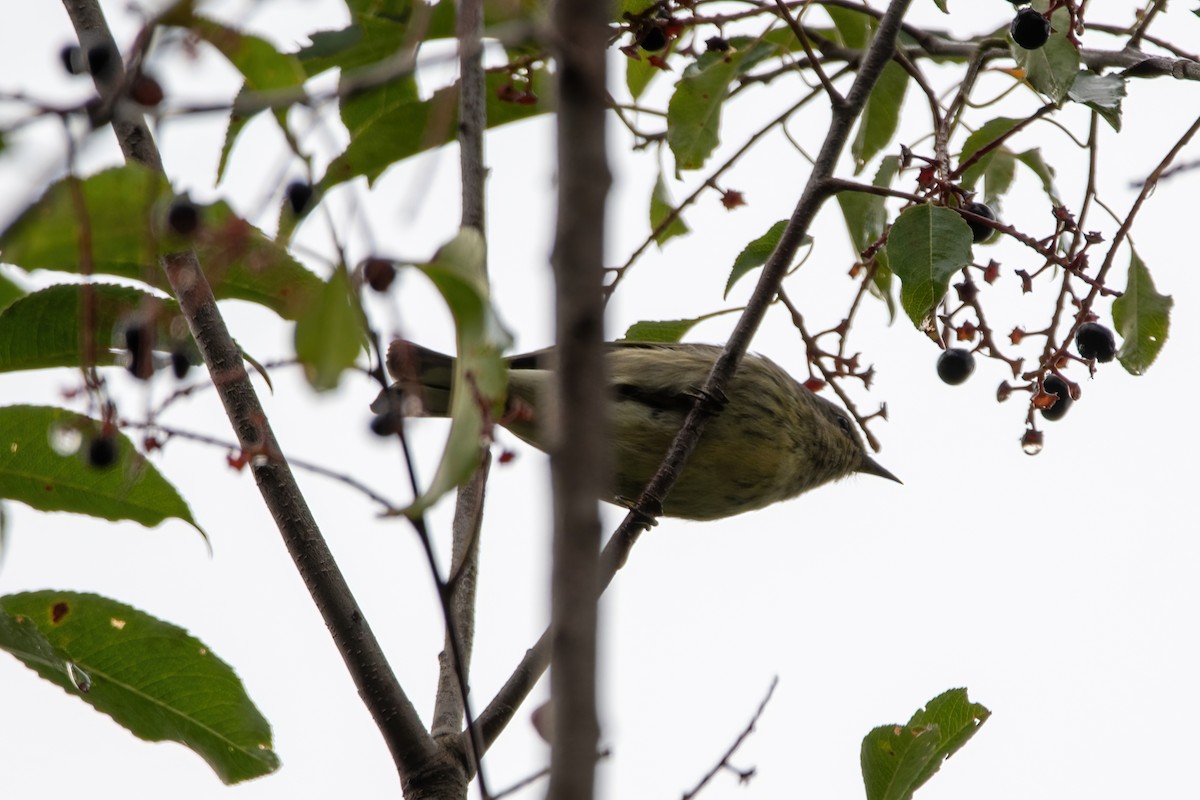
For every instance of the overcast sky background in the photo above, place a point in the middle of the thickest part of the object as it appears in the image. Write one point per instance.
(1060, 589)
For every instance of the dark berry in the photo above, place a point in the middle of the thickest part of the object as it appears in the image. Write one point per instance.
(1057, 386)
(102, 452)
(653, 38)
(955, 365)
(146, 91)
(100, 59)
(183, 217)
(180, 363)
(139, 341)
(979, 231)
(379, 274)
(1029, 29)
(1093, 340)
(386, 424)
(72, 59)
(299, 194)
(716, 44)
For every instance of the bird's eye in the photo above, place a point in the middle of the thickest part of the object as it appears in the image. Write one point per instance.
(844, 424)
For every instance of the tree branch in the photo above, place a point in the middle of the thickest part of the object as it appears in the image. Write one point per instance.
(580, 459)
(410, 745)
(537, 658)
(452, 702)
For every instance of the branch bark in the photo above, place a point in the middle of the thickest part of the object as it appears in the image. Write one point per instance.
(451, 704)
(580, 460)
(816, 191)
(413, 751)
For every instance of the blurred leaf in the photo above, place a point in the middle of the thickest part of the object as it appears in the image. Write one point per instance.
(866, 218)
(660, 208)
(330, 336)
(898, 759)
(495, 12)
(45, 329)
(1143, 318)
(480, 372)
(853, 27)
(148, 675)
(998, 177)
(987, 133)
(34, 473)
(391, 123)
(926, 246)
(1045, 173)
(124, 208)
(756, 253)
(9, 291)
(1103, 93)
(667, 330)
(638, 74)
(941, 4)
(1106, 91)
(376, 29)
(262, 66)
(634, 7)
(880, 116)
(1051, 69)
(694, 111)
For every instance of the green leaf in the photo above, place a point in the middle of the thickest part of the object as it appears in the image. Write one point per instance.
(998, 177)
(480, 373)
(694, 111)
(262, 66)
(45, 329)
(1143, 318)
(660, 208)
(941, 4)
(927, 245)
(667, 330)
(330, 336)
(880, 116)
(634, 7)
(638, 74)
(377, 27)
(9, 292)
(148, 675)
(894, 757)
(121, 209)
(1103, 93)
(957, 718)
(391, 123)
(1051, 69)
(756, 253)
(443, 18)
(1045, 173)
(34, 473)
(853, 27)
(898, 759)
(866, 218)
(987, 133)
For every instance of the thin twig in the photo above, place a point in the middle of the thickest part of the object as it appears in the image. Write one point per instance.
(733, 748)
(394, 714)
(500, 711)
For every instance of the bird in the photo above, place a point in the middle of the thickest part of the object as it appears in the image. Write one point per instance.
(773, 440)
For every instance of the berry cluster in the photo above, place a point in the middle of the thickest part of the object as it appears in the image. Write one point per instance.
(1093, 342)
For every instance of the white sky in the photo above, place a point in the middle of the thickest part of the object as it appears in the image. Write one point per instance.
(1059, 589)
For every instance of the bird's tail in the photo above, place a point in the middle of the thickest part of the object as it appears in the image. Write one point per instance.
(423, 377)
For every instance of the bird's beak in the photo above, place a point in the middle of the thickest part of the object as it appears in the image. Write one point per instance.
(871, 467)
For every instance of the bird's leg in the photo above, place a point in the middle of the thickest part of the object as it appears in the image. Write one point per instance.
(711, 402)
(645, 517)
